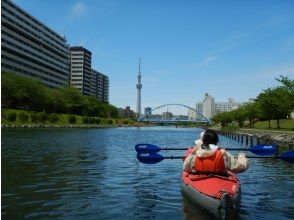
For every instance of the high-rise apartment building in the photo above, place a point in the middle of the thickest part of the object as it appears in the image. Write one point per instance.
(208, 108)
(100, 86)
(80, 69)
(30, 48)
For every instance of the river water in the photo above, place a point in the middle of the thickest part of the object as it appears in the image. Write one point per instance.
(94, 174)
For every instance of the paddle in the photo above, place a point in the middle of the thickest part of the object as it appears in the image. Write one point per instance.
(152, 158)
(260, 149)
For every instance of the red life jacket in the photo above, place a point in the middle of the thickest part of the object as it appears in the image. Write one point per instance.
(212, 164)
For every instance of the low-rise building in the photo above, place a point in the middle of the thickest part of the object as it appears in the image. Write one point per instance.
(147, 110)
(167, 115)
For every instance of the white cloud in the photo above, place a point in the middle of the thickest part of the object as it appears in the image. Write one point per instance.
(78, 9)
(205, 61)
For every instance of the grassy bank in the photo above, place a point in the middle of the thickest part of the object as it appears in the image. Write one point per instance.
(16, 117)
(286, 126)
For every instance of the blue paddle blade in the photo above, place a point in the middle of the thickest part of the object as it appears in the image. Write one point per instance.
(146, 148)
(288, 156)
(263, 149)
(150, 158)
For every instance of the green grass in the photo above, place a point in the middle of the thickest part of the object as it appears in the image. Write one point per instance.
(63, 119)
(285, 124)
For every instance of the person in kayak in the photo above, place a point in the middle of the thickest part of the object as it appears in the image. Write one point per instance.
(207, 157)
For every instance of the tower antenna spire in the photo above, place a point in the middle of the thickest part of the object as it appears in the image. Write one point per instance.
(140, 66)
(139, 87)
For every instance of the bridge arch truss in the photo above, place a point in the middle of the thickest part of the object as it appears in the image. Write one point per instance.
(174, 104)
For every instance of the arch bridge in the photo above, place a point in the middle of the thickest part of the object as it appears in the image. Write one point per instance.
(145, 116)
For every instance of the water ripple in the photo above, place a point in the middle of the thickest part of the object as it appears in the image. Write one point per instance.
(94, 174)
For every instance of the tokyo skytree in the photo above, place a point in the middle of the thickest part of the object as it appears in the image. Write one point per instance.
(139, 87)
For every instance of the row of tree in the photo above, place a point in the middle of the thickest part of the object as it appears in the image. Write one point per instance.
(25, 93)
(271, 104)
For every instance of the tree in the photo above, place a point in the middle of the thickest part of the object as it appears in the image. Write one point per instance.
(22, 92)
(288, 84)
(275, 104)
(73, 100)
(239, 115)
(252, 112)
(224, 118)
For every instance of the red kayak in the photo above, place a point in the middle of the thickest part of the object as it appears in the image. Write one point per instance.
(218, 194)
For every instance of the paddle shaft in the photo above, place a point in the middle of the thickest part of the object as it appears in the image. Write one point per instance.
(165, 148)
(178, 157)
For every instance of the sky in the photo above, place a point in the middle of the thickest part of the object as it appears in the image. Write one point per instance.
(228, 49)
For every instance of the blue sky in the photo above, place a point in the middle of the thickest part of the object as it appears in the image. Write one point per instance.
(229, 49)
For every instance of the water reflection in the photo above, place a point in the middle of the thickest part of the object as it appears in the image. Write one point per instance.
(94, 174)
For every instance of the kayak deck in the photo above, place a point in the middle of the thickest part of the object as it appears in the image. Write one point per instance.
(218, 194)
(212, 185)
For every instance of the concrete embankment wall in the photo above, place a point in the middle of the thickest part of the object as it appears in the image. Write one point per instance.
(282, 140)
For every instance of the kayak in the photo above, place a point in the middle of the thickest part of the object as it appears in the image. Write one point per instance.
(218, 194)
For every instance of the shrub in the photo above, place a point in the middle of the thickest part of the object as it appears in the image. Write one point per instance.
(110, 122)
(3, 115)
(34, 117)
(85, 120)
(53, 118)
(23, 117)
(72, 119)
(12, 116)
(125, 122)
(97, 120)
(91, 120)
(42, 117)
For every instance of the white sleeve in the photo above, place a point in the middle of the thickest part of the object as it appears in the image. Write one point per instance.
(236, 165)
(189, 163)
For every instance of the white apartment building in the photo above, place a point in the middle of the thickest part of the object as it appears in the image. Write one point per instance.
(208, 107)
(30, 48)
(227, 106)
(80, 70)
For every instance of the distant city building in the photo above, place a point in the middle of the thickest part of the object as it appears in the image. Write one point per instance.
(80, 68)
(167, 115)
(208, 107)
(100, 86)
(191, 114)
(181, 117)
(199, 110)
(30, 48)
(128, 113)
(227, 106)
(147, 110)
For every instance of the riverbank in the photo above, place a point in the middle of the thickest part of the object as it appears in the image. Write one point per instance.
(277, 137)
(15, 118)
(280, 138)
(69, 125)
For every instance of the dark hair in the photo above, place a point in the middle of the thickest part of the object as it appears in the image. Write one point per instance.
(209, 137)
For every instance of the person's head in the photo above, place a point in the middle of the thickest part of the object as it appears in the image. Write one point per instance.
(200, 138)
(210, 137)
